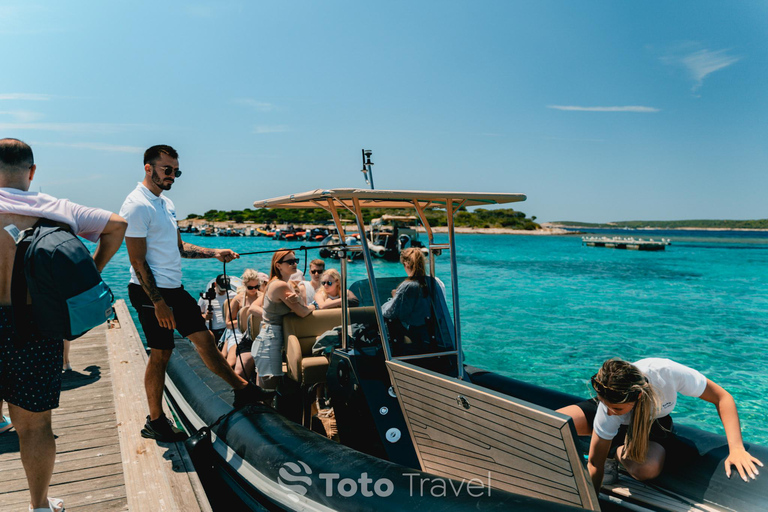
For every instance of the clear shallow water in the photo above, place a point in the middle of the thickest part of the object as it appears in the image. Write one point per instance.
(547, 310)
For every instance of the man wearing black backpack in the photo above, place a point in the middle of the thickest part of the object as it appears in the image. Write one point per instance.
(155, 249)
(30, 363)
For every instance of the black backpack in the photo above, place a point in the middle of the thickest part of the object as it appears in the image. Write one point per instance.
(68, 295)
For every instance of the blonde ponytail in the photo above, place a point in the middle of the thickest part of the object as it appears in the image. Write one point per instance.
(626, 380)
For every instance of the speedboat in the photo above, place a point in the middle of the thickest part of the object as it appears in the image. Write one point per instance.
(412, 427)
(391, 234)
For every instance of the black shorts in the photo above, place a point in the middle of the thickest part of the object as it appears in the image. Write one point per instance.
(186, 312)
(661, 430)
(30, 373)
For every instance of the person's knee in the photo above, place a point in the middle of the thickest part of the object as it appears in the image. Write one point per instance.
(583, 428)
(30, 423)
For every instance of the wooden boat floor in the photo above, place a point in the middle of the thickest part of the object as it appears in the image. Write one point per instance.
(634, 491)
(102, 462)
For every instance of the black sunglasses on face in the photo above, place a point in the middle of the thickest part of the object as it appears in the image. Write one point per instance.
(612, 395)
(294, 261)
(315, 271)
(168, 170)
(252, 287)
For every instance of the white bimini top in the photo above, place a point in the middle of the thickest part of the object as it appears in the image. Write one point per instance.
(154, 218)
(668, 378)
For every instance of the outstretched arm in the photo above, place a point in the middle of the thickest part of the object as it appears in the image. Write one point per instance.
(109, 241)
(137, 253)
(192, 251)
(738, 456)
(598, 453)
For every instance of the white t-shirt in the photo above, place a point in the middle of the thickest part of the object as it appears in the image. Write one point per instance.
(218, 308)
(311, 290)
(154, 218)
(84, 221)
(668, 378)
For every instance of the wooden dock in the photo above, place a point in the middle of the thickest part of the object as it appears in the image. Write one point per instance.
(618, 242)
(102, 462)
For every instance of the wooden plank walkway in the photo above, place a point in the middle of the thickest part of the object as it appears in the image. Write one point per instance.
(102, 462)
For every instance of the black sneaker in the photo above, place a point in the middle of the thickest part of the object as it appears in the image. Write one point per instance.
(162, 429)
(251, 394)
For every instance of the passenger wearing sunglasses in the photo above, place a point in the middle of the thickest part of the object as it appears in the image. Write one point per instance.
(316, 269)
(155, 249)
(329, 296)
(249, 297)
(631, 414)
(280, 299)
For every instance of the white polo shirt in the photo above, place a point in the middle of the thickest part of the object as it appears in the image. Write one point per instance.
(154, 218)
(668, 378)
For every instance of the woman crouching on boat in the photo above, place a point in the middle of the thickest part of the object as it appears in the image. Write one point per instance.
(634, 400)
(247, 295)
(279, 300)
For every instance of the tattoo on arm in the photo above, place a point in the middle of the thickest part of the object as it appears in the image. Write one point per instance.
(147, 280)
(195, 252)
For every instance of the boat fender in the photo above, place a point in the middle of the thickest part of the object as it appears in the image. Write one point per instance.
(200, 448)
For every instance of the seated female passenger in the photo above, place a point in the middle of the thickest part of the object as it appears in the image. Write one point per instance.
(247, 295)
(279, 300)
(411, 302)
(329, 296)
(632, 411)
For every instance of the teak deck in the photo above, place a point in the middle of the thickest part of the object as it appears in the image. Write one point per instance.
(102, 462)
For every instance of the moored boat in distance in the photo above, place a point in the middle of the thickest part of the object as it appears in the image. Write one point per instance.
(411, 427)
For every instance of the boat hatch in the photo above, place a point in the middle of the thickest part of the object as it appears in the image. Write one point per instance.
(463, 431)
(441, 337)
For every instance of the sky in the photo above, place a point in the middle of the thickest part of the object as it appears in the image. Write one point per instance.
(597, 111)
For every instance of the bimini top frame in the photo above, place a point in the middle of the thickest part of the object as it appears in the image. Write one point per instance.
(354, 200)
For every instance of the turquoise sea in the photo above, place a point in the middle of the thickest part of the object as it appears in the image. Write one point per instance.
(548, 310)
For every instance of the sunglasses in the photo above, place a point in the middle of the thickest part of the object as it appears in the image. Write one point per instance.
(327, 283)
(168, 170)
(316, 271)
(294, 261)
(253, 287)
(612, 395)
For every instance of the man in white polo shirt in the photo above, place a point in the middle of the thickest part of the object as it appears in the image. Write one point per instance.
(155, 249)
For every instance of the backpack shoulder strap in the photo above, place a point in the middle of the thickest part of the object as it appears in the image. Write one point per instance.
(19, 292)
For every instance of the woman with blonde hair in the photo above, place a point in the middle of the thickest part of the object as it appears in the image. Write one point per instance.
(279, 300)
(329, 296)
(631, 412)
(247, 296)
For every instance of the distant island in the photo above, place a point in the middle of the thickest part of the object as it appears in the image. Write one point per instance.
(505, 218)
(669, 224)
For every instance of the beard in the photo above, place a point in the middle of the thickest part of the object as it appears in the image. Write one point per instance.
(160, 182)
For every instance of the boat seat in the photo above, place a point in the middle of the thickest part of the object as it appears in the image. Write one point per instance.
(300, 335)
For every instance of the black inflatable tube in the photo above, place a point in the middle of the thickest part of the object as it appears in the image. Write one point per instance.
(273, 445)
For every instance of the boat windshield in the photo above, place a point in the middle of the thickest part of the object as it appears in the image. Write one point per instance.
(417, 318)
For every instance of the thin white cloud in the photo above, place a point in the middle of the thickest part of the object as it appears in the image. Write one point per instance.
(261, 106)
(22, 116)
(22, 96)
(628, 108)
(698, 62)
(270, 129)
(702, 63)
(95, 146)
(71, 127)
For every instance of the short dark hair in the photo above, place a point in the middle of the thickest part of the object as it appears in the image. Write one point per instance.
(152, 154)
(318, 263)
(14, 153)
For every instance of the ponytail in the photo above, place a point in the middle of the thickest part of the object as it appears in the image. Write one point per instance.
(619, 378)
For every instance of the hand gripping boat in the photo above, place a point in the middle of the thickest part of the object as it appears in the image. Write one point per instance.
(415, 428)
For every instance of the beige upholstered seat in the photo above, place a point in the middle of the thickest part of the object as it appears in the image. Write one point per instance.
(300, 335)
